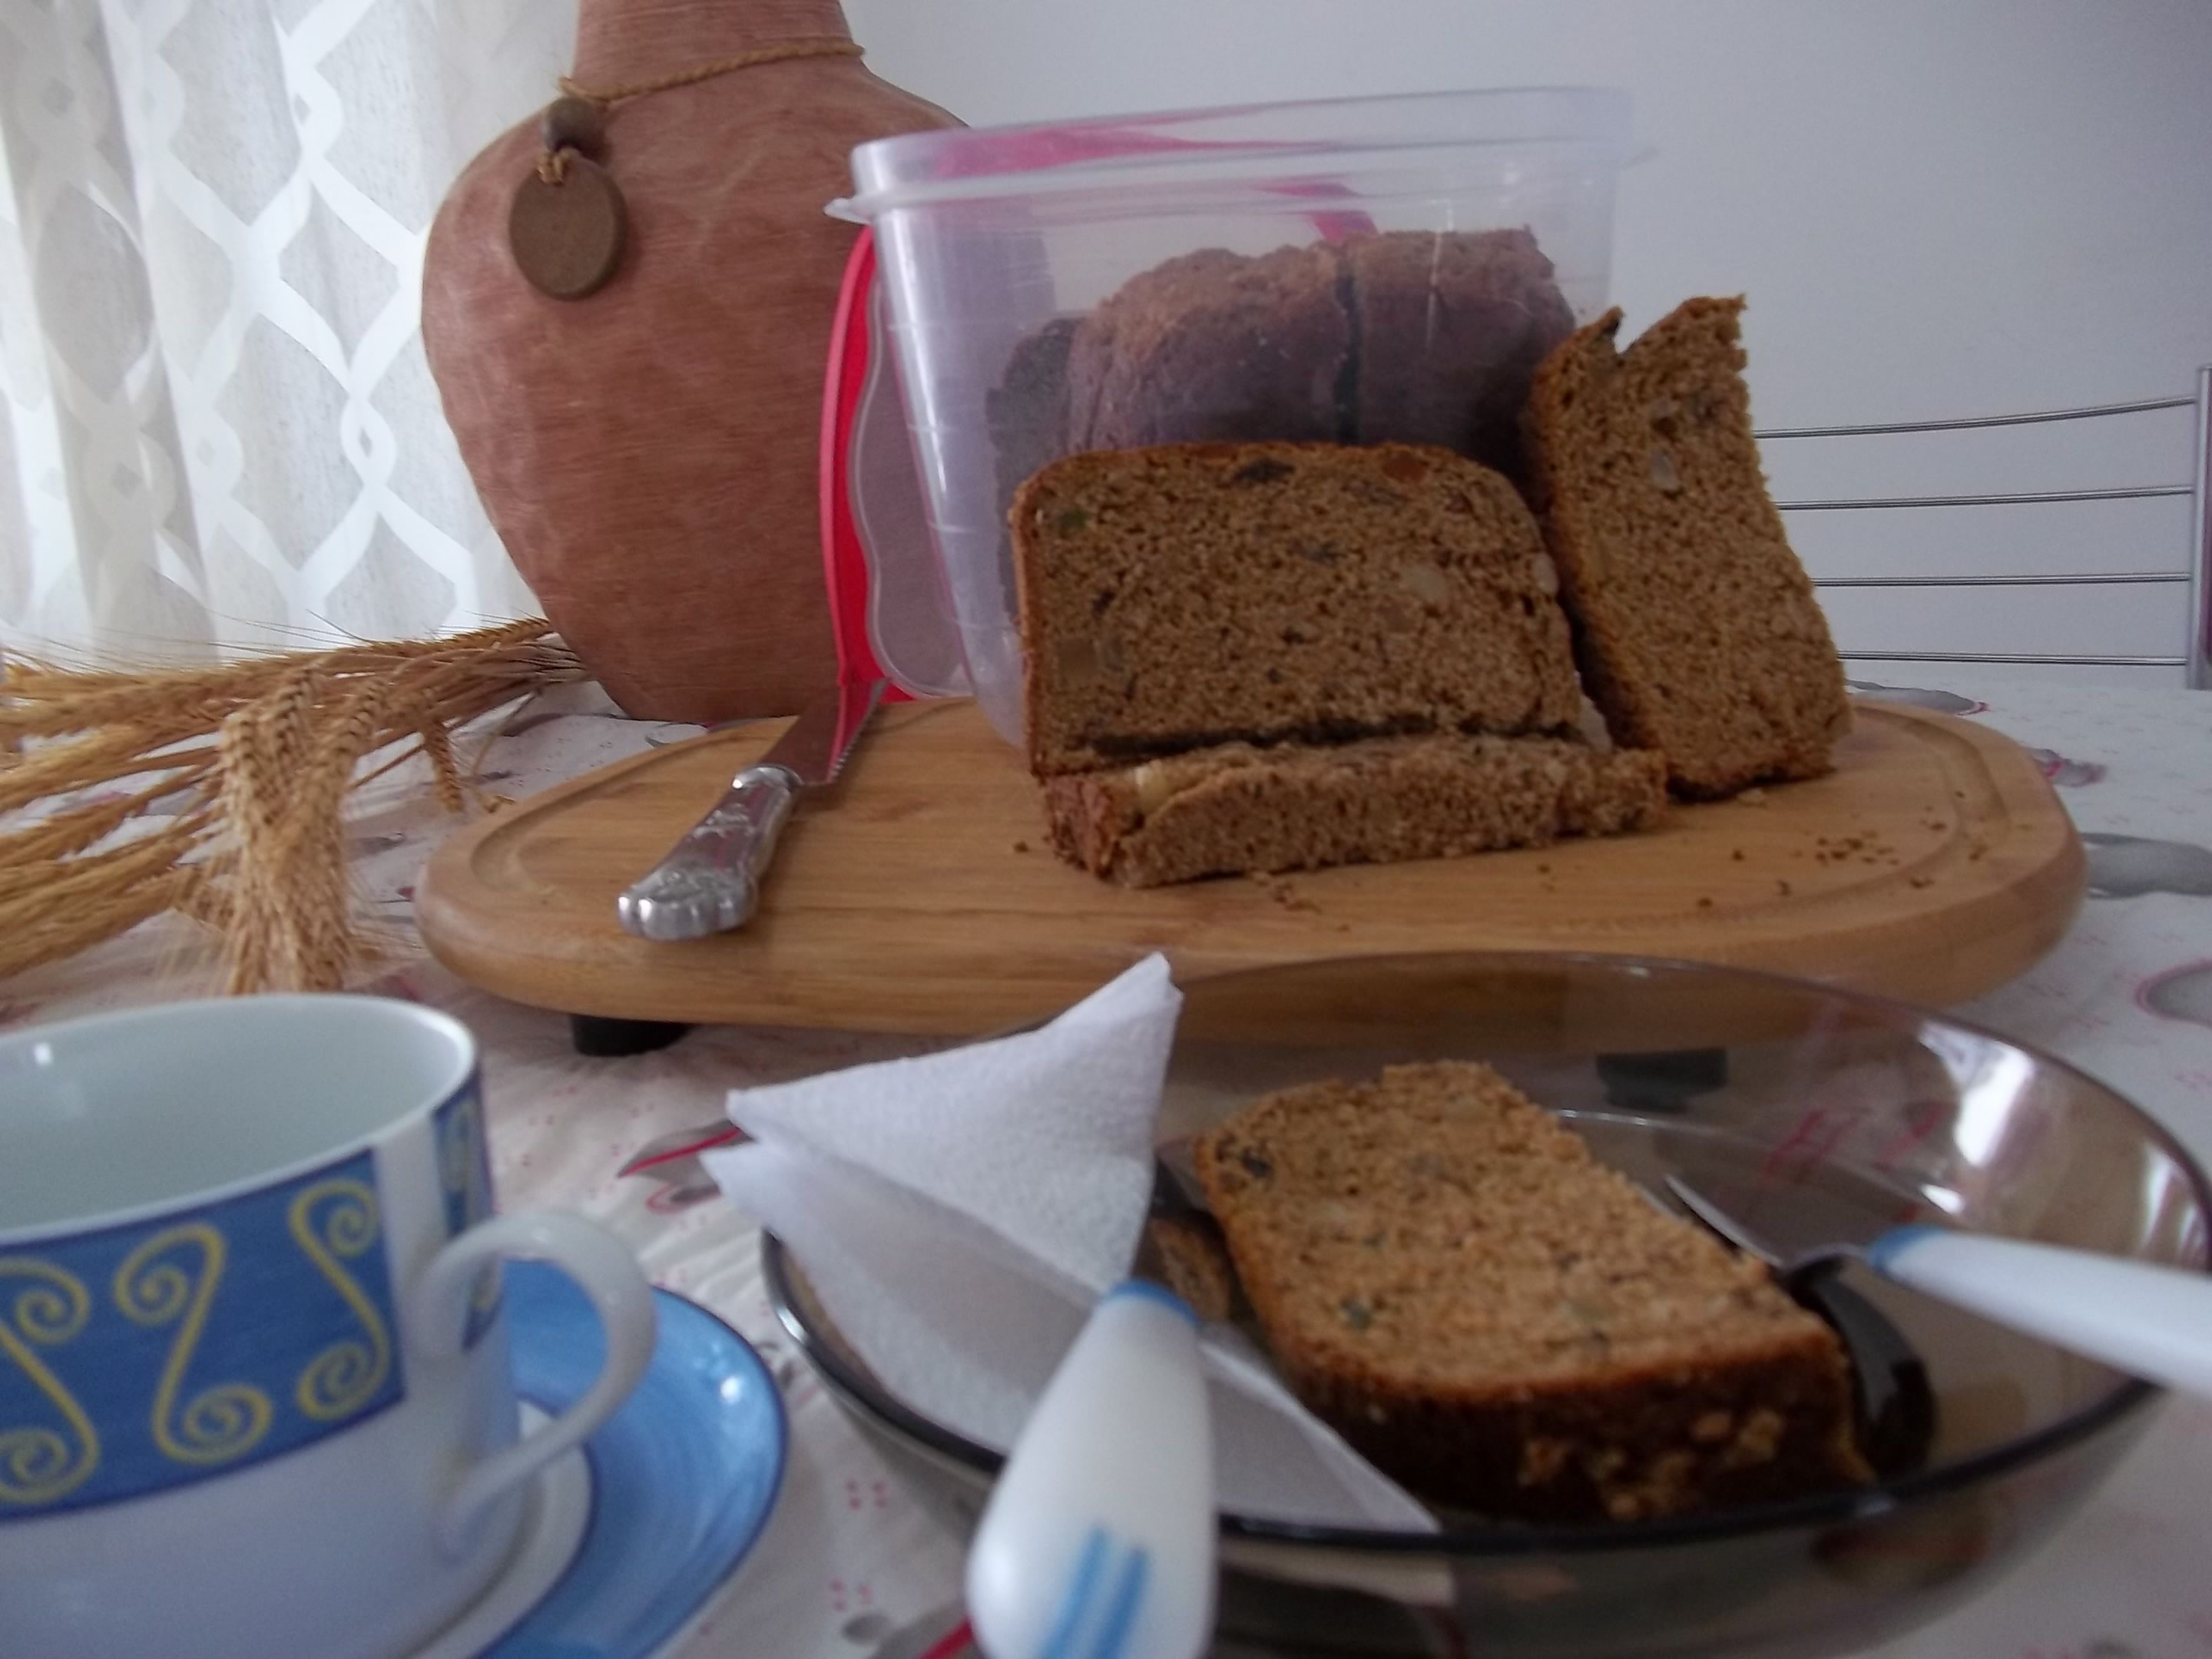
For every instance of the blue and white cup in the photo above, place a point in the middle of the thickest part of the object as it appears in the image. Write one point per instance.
(254, 1390)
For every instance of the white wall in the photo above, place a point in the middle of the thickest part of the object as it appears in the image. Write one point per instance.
(1936, 207)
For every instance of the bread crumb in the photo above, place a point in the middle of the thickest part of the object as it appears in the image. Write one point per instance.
(1923, 881)
(1021, 846)
(1284, 894)
(1705, 904)
(1753, 798)
(1783, 887)
(1737, 855)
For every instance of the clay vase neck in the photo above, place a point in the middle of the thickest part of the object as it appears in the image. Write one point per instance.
(621, 40)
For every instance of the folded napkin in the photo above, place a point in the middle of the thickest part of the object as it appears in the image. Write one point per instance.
(960, 1213)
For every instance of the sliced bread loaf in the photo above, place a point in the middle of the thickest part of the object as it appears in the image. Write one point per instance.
(1395, 336)
(1696, 626)
(1446, 1275)
(1448, 328)
(1235, 809)
(1186, 595)
(1213, 346)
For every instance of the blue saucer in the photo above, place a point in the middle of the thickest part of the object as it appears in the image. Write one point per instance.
(683, 1477)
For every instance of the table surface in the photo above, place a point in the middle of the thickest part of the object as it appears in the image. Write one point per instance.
(850, 1569)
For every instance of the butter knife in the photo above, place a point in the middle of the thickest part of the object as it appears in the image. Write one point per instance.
(710, 881)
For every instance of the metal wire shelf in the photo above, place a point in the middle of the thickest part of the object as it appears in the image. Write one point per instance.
(2088, 412)
(2196, 659)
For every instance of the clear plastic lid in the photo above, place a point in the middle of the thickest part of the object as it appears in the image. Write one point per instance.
(1251, 145)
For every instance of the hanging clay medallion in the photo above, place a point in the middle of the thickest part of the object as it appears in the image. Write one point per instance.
(567, 223)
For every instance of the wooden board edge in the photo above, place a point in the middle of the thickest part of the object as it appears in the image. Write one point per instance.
(2053, 874)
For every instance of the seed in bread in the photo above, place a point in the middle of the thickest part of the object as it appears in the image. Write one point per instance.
(1446, 1275)
(1696, 626)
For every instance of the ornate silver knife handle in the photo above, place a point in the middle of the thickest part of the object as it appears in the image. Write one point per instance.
(710, 881)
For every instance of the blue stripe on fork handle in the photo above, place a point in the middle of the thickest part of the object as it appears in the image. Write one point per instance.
(1079, 1607)
(1122, 1613)
(1089, 1566)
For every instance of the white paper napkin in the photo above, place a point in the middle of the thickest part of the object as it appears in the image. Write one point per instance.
(960, 1213)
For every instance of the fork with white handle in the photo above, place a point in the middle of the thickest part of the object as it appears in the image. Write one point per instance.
(2149, 1321)
(1098, 1541)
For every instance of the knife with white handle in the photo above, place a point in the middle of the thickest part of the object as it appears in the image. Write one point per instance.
(710, 881)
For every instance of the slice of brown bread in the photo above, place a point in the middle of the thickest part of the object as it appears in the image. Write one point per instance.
(1192, 594)
(1235, 808)
(1449, 328)
(1213, 346)
(1446, 1275)
(1026, 412)
(1696, 625)
(1186, 1254)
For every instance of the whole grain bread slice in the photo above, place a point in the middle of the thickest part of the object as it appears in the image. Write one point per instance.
(1185, 595)
(1235, 808)
(1696, 626)
(1445, 1274)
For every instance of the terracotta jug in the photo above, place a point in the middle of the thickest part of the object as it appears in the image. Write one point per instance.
(649, 454)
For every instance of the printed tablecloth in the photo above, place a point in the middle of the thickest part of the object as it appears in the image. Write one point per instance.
(850, 1569)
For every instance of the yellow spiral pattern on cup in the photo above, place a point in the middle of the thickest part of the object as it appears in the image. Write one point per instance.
(38, 1463)
(344, 1376)
(218, 1424)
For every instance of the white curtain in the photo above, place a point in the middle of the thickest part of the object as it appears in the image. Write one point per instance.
(216, 424)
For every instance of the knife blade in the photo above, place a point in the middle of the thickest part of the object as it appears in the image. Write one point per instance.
(710, 882)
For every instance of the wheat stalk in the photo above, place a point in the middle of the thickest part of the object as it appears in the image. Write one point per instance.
(233, 814)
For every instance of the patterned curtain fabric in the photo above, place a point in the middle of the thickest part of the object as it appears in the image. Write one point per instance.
(216, 424)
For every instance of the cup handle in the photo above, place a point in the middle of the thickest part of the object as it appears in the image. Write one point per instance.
(605, 1271)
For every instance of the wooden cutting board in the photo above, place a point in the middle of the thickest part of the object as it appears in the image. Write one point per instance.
(919, 896)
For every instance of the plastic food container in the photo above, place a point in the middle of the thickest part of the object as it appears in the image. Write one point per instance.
(1408, 221)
